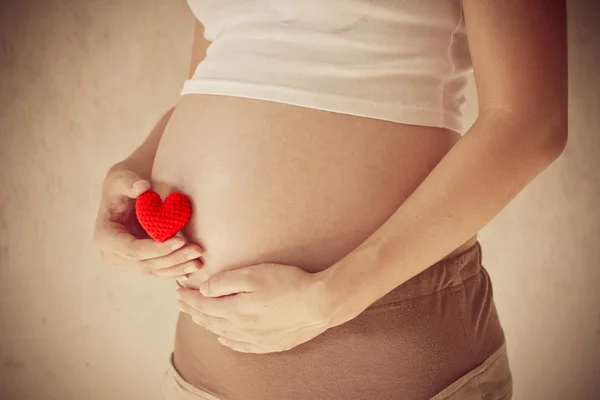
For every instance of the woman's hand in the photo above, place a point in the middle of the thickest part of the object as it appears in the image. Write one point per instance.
(261, 308)
(122, 240)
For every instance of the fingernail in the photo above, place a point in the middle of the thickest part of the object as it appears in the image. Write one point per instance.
(177, 245)
(193, 255)
(183, 278)
(139, 184)
(190, 269)
(202, 288)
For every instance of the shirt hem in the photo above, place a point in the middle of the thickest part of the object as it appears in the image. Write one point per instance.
(387, 111)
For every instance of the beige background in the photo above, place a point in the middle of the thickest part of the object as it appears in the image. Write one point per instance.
(82, 82)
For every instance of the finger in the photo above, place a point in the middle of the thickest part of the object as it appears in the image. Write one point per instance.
(217, 325)
(186, 308)
(242, 347)
(179, 271)
(189, 253)
(205, 320)
(182, 279)
(121, 262)
(232, 335)
(145, 269)
(217, 307)
(240, 280)
(127, 183)
(112, 258)
(115, 237)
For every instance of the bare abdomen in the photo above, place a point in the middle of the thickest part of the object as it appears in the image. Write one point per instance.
(276, 183)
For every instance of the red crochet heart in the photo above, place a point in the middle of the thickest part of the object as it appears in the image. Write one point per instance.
(161, 220)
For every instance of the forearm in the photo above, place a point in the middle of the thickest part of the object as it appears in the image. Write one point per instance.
(480, 175)
(142, 158)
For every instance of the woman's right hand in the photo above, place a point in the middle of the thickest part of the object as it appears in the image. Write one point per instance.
(122, 240)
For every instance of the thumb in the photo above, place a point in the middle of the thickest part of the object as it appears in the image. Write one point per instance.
(228, 282)
(128, 183)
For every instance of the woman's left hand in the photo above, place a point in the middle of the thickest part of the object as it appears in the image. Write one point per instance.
(262, 308)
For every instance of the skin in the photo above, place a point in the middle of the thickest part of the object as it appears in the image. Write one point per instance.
(123, 242)
(297, 201)
(259, 306)
(121, 239)
(520, 131)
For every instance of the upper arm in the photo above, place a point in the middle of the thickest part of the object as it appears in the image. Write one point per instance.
(199, 47)
(519, 52)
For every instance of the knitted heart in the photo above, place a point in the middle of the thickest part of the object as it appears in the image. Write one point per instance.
(162, 220)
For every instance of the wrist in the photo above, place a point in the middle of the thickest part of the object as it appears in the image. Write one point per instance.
(354, 283)
(340, 299)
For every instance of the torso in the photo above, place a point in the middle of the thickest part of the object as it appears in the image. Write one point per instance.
(277, 183)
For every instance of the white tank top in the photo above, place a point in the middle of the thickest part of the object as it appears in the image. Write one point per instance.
(398, 60)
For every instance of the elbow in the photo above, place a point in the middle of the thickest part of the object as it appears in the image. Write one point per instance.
(543, 131)
(561, 143)
(555, 133)
(546, 130)
(549, 122)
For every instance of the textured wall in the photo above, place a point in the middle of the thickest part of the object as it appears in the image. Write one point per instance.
(82, 82)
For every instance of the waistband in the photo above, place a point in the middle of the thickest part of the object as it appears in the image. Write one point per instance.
(177, 388)
(444, 274)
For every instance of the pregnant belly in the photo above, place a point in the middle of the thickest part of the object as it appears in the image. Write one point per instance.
(276, 183)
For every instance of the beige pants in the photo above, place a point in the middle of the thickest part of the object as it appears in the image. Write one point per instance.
(489, 381)
(176, 388)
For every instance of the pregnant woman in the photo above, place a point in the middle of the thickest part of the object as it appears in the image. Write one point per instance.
(332, 252)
